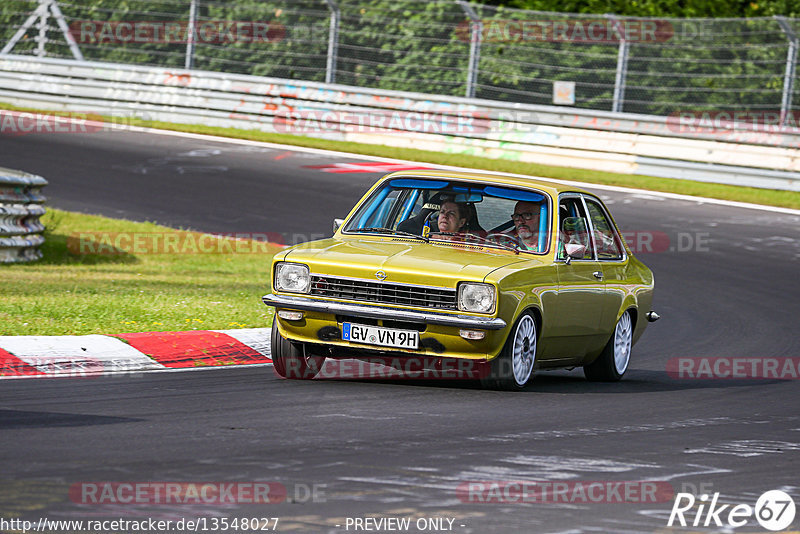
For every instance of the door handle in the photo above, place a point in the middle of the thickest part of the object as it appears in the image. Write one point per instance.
(598, 275)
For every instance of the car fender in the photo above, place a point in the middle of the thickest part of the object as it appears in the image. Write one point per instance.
(521, 290)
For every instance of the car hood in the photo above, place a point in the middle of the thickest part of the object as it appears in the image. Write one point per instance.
(403, 260)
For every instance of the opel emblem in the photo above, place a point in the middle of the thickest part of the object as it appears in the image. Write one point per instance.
(380, 275)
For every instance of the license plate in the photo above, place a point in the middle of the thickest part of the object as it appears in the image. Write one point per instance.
(378, 335)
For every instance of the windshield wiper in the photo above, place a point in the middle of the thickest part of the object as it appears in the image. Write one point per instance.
(514, 249)
(383, 230)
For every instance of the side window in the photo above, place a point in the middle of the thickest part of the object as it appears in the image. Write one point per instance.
(381, 214)
(417, 208)
(377, 210)
(411, 205)
(573, 228)
(605, 238)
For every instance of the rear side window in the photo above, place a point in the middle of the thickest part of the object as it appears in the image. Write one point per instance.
(606, 241)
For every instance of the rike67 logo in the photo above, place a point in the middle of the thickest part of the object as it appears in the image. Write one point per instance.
(774, 510)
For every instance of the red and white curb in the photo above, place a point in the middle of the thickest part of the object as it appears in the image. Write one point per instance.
(76, 356)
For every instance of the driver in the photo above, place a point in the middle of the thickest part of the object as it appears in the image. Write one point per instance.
(526, 223)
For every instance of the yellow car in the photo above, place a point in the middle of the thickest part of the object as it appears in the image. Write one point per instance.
(504, 276)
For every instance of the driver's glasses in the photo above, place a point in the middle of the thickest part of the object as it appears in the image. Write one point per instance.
(519, 216)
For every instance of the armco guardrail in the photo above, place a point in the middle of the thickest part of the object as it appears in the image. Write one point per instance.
(603, 141)
(654, 65)
(20, 208)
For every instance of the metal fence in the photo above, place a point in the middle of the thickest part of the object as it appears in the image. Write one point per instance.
(444, 47)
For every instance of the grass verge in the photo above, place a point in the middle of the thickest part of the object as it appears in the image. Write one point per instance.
(769, 197)
(88, 289)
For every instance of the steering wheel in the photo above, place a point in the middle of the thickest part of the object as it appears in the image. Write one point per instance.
(503, 239)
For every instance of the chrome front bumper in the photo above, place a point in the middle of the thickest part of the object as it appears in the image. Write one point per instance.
(377, 312)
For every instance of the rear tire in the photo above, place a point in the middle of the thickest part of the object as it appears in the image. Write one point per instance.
(513, 368)
(616, 356)
(289, 358)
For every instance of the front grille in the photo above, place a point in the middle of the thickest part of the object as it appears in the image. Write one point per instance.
(383, 292)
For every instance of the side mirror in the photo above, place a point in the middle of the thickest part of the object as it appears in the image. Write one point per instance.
(336, 224)
(575, 250)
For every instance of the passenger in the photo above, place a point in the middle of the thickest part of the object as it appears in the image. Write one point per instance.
(526, 224)
(452, 216)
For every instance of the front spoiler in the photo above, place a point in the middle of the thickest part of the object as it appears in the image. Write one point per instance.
(377, 312)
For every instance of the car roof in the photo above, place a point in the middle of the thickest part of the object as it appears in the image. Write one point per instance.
(551, 187)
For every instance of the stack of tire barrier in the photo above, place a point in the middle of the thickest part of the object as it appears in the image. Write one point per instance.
(20, 208)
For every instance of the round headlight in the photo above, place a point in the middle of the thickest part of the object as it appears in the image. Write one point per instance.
(292, 277)
(473, 297)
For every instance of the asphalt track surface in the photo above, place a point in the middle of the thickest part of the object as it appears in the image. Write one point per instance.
(726, 286)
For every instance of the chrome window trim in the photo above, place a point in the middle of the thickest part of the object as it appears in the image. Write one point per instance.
(591, 228)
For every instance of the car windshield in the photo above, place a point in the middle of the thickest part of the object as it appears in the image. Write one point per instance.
(448, 210)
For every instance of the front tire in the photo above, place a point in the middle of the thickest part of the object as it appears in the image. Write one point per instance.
(616, 356)
(290, 359)
(513, 368)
